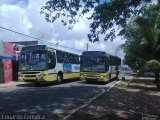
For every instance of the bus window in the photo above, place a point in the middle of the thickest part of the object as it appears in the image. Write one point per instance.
(76, 59)
(51, 60)
(106, 63)
(65, 57)
(112, 61)
(59, 56)
(71, 60)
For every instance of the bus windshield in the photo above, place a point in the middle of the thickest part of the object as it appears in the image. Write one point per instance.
(93, 64)
(33, 60)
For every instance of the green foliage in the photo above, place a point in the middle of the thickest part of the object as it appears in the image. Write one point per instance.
(143, 36)
(105, 14)
(153, 64)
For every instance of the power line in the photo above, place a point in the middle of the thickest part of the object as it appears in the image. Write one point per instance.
(22, 25)
(18, 33)
(31, 36)
(37, 38)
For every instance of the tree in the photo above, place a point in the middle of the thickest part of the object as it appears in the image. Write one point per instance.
(143, 38)
(155, 65)
(132, 48)
(106, 14)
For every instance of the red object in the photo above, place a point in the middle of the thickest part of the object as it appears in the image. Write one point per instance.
(7, 66)
(7, 63)
(8, 48)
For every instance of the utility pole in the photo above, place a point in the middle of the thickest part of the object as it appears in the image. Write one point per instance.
(87, 47)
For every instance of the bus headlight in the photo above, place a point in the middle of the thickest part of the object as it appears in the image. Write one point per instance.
(82, 75)
(40, 76)
(20, 74)
(103, 76)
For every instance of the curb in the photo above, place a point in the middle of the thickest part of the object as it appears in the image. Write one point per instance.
(8, 85)
(71, 112)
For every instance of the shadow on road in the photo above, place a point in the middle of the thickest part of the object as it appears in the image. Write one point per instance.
(46, 84)
(99, 82)
(54, 102)
(121, 104)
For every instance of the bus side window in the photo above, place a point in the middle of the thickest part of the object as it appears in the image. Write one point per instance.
(59, 56)
(111, 61)
(51, 60)
(76, 59)
(71, 61)
(65, 57)
(106, 63)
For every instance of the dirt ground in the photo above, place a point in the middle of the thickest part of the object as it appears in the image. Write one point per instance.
(140, 100)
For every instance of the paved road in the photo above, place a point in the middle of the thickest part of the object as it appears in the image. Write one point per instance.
(51, 100)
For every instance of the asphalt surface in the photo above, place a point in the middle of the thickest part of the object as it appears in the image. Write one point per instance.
(53, 101)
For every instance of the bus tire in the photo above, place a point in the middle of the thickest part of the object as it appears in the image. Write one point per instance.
(88, 82)
(37, 83)
(59, 79)
(109, 76)
(116, 77)
(123, 78)
(117, 74)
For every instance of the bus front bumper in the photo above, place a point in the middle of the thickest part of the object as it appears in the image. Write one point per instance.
(98, 78)
(31, 78)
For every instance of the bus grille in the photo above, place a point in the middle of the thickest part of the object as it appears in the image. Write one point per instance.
(30, 72)
(92, 75)
(30, 75)
(26, 75)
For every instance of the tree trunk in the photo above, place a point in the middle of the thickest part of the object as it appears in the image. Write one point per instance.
(157, 78)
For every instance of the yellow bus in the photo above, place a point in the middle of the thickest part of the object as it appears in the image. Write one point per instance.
(99, 66)
(40, 63)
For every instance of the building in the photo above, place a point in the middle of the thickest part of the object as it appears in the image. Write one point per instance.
(1, 62)
(9, 59)
(26, 43)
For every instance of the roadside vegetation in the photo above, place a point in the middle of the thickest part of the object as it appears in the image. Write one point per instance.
(142, 46)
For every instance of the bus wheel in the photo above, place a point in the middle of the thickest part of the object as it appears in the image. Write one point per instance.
(110, 76)
(59, 79)
(37, 83)
(116, 77)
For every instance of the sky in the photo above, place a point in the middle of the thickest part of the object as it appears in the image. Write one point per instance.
(24, 16)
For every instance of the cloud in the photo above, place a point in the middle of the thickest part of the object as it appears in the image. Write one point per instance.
(24, 16)
(13, 20)
(22, 3)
